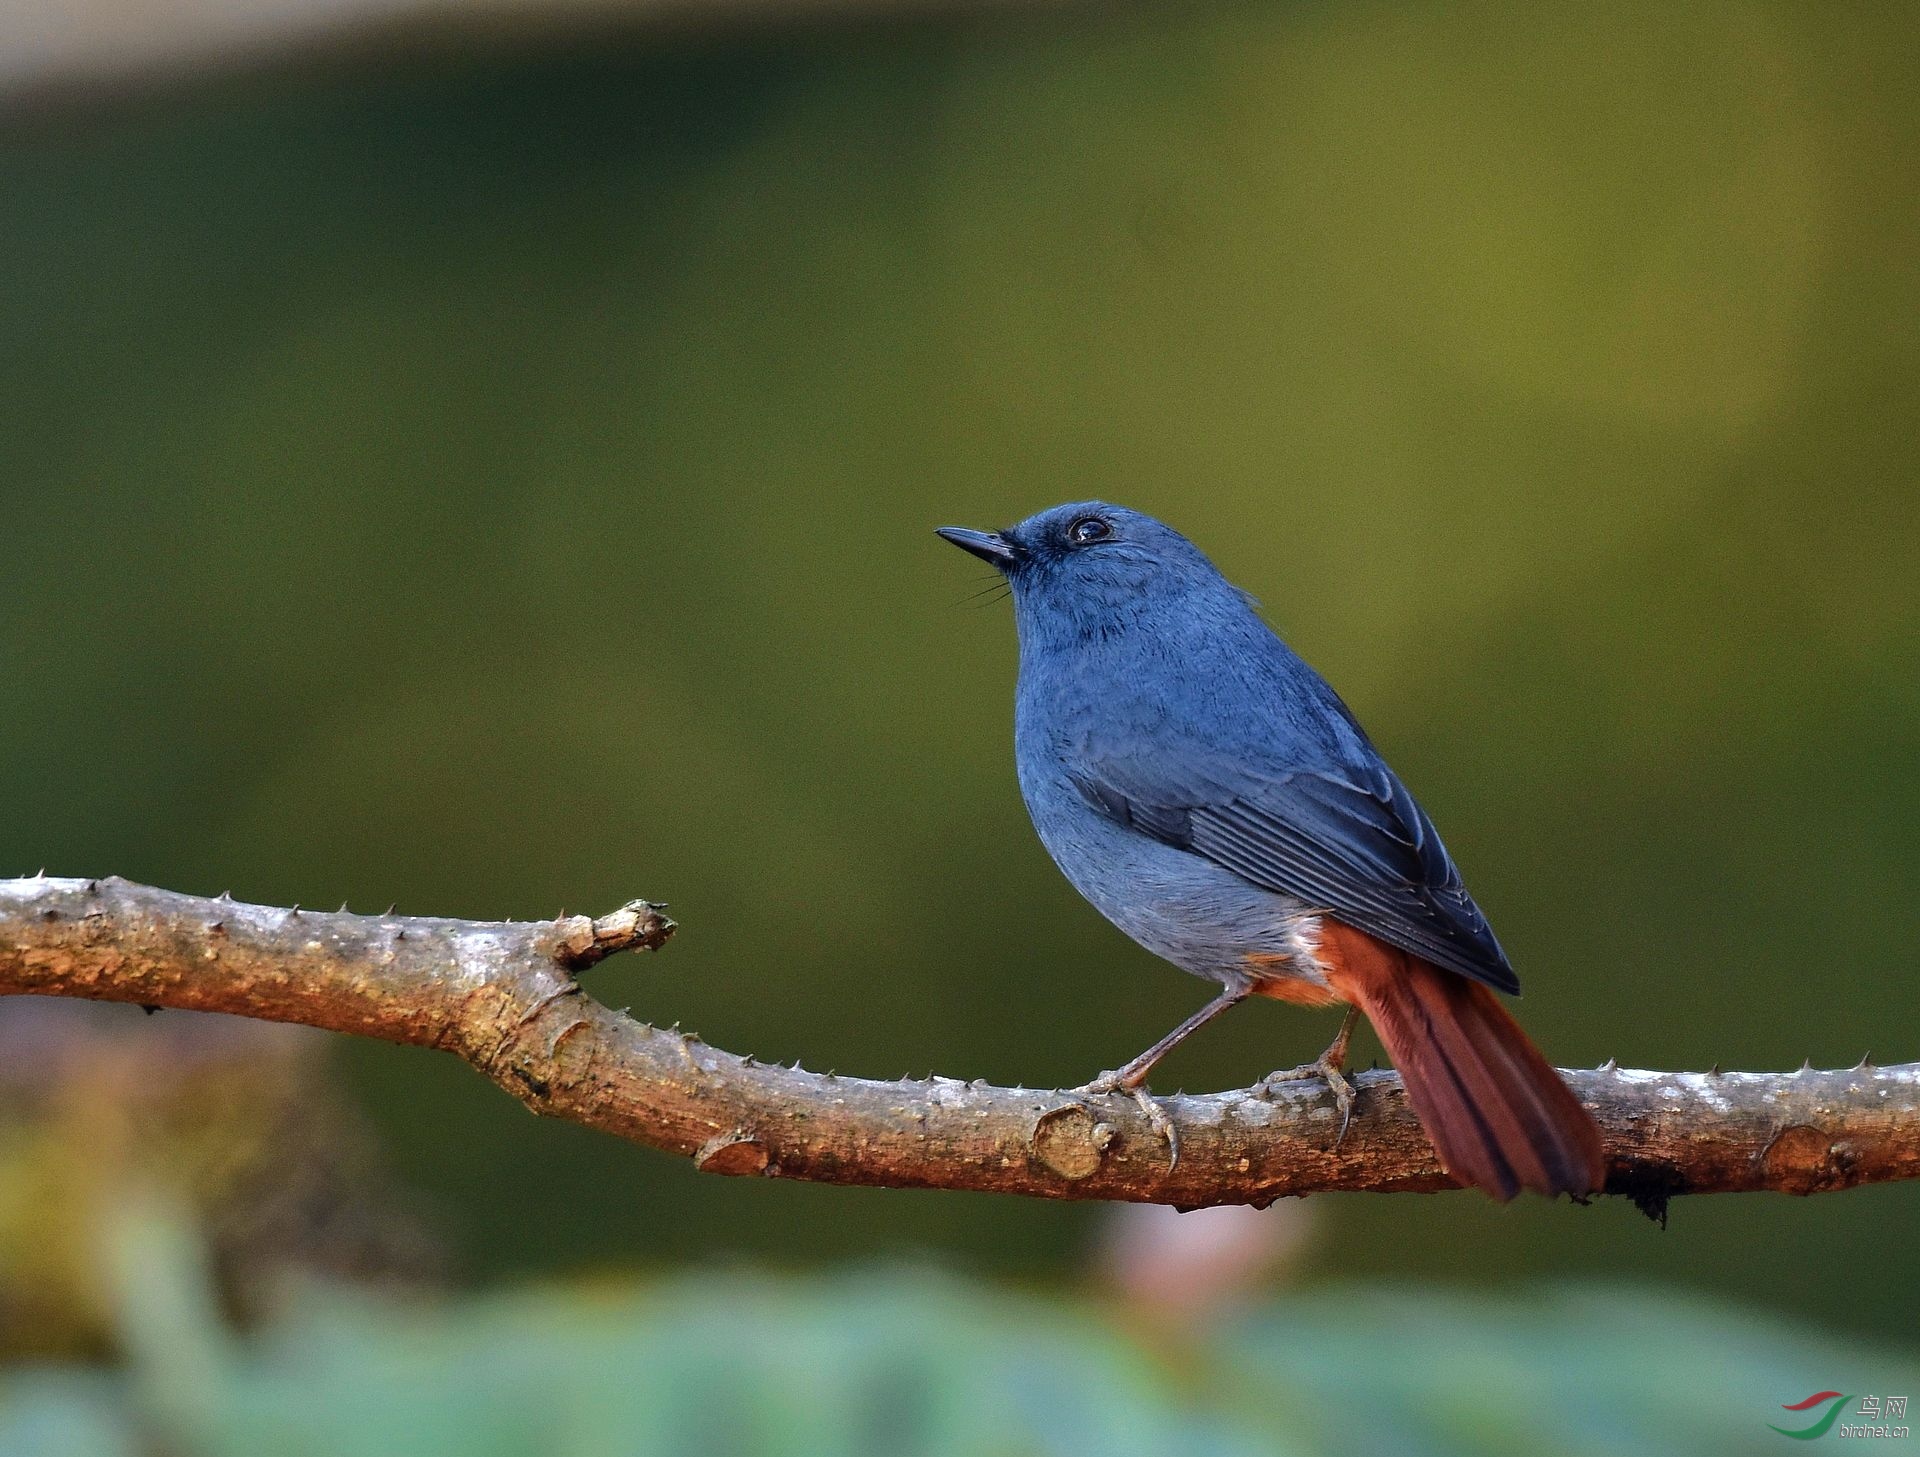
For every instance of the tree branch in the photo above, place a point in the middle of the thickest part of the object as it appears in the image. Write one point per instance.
(502, 996)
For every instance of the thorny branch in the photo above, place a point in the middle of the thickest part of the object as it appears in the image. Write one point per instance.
(503, 996)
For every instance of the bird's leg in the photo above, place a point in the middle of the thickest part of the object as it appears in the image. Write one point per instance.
(1327, 1067)
(1134, 1074)
(1132, 1078)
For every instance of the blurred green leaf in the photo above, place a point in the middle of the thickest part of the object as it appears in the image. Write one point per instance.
(912, 1365)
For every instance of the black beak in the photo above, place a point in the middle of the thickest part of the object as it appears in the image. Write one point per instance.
(989, 546)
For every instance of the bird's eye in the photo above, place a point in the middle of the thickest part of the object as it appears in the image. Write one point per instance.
(1087, 530)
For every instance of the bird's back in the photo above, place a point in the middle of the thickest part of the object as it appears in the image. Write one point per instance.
(1191, 725)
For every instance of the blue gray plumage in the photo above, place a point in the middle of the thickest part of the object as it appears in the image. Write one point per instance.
(1193, 778)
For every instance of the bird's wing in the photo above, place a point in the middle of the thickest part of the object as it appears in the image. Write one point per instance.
(1348, 839)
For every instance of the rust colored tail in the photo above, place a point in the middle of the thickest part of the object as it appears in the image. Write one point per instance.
(1498, 1114)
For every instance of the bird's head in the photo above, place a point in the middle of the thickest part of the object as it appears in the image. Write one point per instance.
(1088, 567)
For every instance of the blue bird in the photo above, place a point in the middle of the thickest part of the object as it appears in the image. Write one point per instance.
(1212, 796)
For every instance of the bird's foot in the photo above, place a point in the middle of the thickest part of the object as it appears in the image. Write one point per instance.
(1156, 1113)
(1326, 1068)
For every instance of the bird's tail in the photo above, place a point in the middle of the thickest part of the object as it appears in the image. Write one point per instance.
(1499, 1116)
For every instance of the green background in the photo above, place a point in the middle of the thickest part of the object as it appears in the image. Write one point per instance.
(499, 483)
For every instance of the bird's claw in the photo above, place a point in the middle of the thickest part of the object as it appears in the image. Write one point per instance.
(1326, 1069)
(1150, 1106)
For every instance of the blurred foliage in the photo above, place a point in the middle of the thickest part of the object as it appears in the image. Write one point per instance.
(242, 1124)
(908, 1365)
(504, 484)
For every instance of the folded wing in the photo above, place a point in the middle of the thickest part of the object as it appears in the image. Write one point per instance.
(1346, 838)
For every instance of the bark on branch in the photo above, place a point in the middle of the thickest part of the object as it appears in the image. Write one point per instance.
(503, 996)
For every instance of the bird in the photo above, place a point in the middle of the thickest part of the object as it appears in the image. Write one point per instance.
(1214, 798)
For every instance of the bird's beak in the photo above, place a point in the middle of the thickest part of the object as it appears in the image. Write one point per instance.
(989, 546)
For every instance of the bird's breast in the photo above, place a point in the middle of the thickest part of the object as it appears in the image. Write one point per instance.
(1198, 915)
